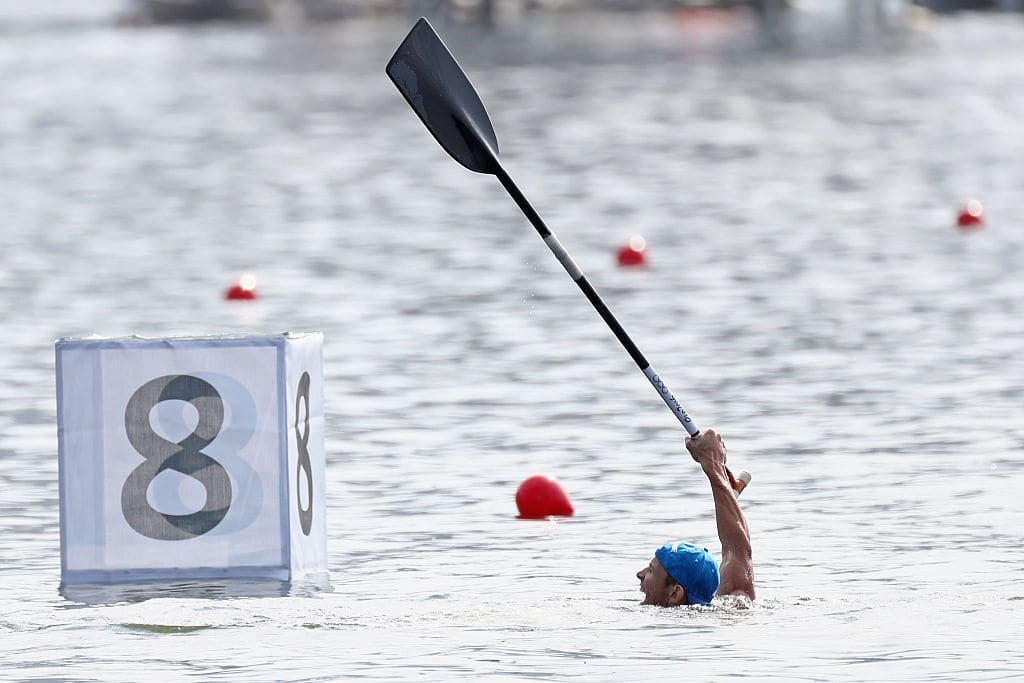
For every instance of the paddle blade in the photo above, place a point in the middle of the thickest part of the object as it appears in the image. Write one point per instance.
(439, 92)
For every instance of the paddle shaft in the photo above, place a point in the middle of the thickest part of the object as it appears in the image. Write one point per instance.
(595, 299)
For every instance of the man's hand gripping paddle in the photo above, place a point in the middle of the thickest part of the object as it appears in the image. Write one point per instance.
(437, 89)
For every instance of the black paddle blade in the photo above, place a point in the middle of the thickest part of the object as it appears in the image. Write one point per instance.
(436, 88)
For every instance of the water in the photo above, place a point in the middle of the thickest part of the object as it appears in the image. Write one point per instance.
(807, 295)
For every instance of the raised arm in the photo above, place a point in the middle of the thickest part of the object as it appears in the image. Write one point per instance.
(737, 569)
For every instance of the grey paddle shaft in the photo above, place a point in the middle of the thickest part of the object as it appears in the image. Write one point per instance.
(595, 299)
(435, 86)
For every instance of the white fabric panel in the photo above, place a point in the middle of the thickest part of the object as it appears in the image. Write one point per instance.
(176, 457)
(306, 458)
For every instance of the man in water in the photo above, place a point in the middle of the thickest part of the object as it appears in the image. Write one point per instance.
(684, 574)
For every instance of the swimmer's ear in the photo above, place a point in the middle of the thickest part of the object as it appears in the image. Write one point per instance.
(677, 596)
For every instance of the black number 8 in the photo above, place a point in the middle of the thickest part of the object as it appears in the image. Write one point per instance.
(304, 465)
(185, 457)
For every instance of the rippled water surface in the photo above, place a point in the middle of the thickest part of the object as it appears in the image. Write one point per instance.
(807, 294)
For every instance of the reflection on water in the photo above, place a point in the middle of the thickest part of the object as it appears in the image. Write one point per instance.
(106, 594)
(807, 294)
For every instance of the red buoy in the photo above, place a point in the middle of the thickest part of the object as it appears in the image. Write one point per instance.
(542, 496)
(243, 290)
(970, 216)
(633, 254)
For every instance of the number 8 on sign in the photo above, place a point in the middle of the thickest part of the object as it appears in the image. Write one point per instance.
(185, 457)
(304, 464)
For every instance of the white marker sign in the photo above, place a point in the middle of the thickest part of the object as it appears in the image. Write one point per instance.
(191, 458)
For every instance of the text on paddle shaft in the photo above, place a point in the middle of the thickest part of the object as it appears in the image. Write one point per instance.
(669, 398)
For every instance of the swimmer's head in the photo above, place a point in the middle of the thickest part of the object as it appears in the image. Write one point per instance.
(679, 574)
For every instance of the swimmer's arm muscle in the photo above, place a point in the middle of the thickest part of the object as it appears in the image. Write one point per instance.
(736, 575)
(737, 570)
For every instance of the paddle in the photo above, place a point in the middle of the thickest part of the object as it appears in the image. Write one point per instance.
(437, 89)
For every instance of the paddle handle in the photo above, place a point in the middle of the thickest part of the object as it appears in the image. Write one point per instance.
(580, 279)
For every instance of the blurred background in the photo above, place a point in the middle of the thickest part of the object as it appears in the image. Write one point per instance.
(830, 199)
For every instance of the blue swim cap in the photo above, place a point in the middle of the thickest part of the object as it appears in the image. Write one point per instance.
(693, 568)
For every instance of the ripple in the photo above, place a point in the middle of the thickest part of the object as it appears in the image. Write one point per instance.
(806, 294)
